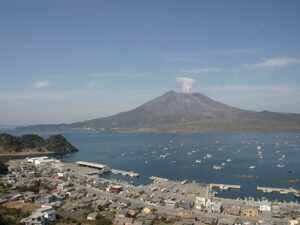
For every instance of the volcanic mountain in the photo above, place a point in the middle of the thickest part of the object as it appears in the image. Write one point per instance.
(180, 112)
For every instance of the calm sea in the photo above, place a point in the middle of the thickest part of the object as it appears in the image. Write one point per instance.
(174, 156)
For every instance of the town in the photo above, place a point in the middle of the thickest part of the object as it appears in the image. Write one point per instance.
(49, 191)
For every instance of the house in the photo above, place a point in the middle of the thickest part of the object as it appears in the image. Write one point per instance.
(226, 221)
(149, 209)
(217, 207)
(48, 199)
(125, 221)
(116, 189)
(234, 211)
(134, 209)
(264, 206)
(294, 222)
(92, 216)
(209, 220)
(171, 203)
(250, 213)
(36, 219)
(200, 202)
(138, 222)
(138, 192)
(186, 205)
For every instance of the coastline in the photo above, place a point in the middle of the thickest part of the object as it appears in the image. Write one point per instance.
(27, 153)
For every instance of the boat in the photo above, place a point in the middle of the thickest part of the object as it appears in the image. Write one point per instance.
(297, 194)
(277, 152)
(198, 161)
(217, 167)
(208, 155)
(258, 147)
(228, 160)
(283, 192)
(212, 193)
(244, 176)
(223, 164)
(223, 187)
(146, 162)
(267, 191)
(292, 181)
(252, 167)
(280, 165)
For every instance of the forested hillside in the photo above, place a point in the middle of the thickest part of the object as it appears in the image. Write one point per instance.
(31, 143)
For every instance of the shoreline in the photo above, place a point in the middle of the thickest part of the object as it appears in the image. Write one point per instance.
(28, 153)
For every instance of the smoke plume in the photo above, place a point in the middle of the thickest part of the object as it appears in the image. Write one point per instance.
(185, 83)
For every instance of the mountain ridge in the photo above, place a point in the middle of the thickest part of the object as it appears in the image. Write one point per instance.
(184, 113)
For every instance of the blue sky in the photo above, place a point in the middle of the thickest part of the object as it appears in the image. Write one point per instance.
(74, 60)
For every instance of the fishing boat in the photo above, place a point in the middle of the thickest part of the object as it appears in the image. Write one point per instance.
(280, 165)
(217, 167)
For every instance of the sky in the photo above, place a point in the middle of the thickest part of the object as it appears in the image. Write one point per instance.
(64, 61)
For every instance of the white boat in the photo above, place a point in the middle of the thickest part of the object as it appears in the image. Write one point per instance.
(198, 161)
(283, 192)
(217, 167)
(280, 165)
(258, 147)
(208, 155)
(266, 191)
(252, 167)
(228, 160)
(146, 162)
(223, 164)
(223, 187)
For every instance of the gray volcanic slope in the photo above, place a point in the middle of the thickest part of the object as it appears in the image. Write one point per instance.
(179, 112)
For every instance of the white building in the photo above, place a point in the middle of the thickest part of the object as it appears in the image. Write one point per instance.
(264, 206)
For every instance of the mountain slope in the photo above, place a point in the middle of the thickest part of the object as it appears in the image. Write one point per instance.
(179, 112)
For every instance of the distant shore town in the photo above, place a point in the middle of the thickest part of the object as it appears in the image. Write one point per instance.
(44, 190)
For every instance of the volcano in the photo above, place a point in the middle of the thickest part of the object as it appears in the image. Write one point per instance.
(185, 113)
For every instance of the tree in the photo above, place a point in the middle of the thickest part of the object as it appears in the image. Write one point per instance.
(104, 221)
(3, 168)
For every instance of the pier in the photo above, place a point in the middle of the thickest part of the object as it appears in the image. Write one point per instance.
(125, 173)
(225, 186)
(101, 167)
(280, 190)
(158, 178)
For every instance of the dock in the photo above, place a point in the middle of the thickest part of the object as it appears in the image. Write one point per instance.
(125, 173)
(158, 178)
(280, 190)
(225, 186)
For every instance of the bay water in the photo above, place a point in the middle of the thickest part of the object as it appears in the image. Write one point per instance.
(174, 156)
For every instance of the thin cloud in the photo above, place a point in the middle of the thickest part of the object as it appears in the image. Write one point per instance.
(41, 83)
(274, 62)
(202, 70)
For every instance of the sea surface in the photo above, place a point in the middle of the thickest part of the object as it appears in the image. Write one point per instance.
(174, 156)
